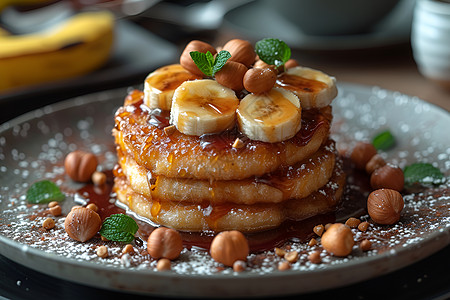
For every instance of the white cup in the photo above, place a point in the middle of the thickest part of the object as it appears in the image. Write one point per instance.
(430, 39)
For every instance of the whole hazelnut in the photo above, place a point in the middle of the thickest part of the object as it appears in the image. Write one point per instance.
(80, 165)
(388, 177)
(82, 224)
(186, 59)
(374, 163)
(291, 63)
(260, 64)
(231, 75)
(163, 264)
(164, 243)
(259, 81)
(241, 51)
(361, 154)
(338, 240)
(385, 206)
(228, 247)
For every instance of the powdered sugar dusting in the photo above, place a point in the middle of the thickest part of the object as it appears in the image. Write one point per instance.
(34, 150)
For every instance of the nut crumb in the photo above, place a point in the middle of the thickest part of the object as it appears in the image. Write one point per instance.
(48, 224)
(312, 242)
(291, 257)
(169, 130)
(284, 265)
(163, 264)
(363, 226)
(55, 210)
(352, 222)
(238, 143)
(319, 229)
(128, 249)
(280, 252)
(102, 252)
(239, 266)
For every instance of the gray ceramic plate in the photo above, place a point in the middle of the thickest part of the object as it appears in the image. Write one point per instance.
(33, 146)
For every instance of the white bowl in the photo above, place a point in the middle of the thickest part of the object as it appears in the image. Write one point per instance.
(430, 39)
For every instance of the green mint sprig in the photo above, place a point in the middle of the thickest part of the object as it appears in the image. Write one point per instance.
(119, 228)
(423, 173)
(384, 140)
(273, 51)
(44, 191)
(207, 63)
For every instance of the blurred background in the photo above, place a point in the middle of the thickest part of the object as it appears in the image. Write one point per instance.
(53, 50)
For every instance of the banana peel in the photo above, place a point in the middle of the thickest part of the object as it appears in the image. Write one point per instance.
(75, 47)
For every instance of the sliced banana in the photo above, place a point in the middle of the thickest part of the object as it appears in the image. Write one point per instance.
(271, 117)
(203, 106)
(314, 88)
(160, 85)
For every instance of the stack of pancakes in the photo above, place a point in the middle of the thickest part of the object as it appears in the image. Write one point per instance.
(197, 183)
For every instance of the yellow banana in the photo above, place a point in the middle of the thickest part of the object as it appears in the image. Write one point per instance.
(160, 85)
(75, 47)
(314, 88)
(202, 107)
(271, 117)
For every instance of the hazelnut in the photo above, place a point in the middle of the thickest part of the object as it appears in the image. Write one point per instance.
(92, 206)
(365, 245)
(362, 153)
(82, 224)
(260, 64)
(315, 258)
(291, 63)
(186, 59)
(338, 240)
(164, 243)
(228, 247)
(98, 178)
(259, 81)
(80, 165)
(385, 206)
(388, 177)
(374, 163)
(163, 264)
(231, 75)
(241, 51)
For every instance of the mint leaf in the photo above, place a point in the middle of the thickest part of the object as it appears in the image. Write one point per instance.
(202, 62)
(273, 51)
(384, 140)
(220, 60)
(44, 191)
(119, 228)
(207, 63)
(423, 173)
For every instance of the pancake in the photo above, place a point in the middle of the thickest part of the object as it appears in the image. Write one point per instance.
(246, 218)
(140, 132)
(288, 182)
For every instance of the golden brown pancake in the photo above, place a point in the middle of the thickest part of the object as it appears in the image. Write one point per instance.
(246, 218)
(140, 132)
(288, 182)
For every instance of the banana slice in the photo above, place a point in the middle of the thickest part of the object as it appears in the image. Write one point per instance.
(271, 117)
(314, 88)
(160, 85)
(203, 106)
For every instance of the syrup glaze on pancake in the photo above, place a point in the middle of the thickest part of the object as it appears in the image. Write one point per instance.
(287, 182)
(140, 131)
(228, 216)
